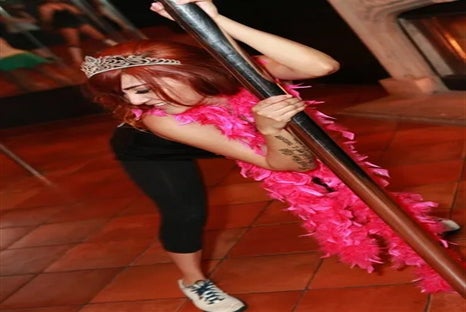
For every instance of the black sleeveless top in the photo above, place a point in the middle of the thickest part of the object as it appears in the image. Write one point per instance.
(129, 144)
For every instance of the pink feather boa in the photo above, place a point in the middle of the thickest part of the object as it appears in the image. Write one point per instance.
(340, 221)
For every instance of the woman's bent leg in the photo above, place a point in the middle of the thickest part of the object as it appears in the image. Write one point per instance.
(177, 189)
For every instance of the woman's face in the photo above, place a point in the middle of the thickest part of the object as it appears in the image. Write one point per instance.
(137, 92)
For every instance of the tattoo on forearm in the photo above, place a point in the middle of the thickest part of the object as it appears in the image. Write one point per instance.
(298, 152)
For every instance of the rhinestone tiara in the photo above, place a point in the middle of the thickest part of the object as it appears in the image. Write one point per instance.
(96, 65)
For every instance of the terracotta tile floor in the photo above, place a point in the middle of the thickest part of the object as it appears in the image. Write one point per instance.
(81, 237)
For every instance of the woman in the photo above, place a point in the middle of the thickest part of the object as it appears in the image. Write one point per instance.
(69, 21)
(22, 30)
(181, 94)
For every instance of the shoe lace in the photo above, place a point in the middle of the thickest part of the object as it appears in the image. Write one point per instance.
(208, 292)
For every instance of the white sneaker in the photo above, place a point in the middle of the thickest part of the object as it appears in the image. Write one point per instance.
(449, 226)
(206, 296)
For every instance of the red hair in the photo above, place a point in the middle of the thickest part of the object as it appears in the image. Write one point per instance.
(198, 70)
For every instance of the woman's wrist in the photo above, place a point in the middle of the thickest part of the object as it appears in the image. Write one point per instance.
(272, 132)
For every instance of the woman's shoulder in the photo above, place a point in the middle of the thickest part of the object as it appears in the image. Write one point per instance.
(158, 121)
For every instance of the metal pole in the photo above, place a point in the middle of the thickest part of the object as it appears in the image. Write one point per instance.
(196, 22)
(25, 165)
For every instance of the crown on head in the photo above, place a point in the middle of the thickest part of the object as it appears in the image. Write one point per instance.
(96, 65)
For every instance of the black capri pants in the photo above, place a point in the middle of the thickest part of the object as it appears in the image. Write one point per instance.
(168, 173)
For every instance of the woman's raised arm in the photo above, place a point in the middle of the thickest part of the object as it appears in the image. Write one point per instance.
(285, 59)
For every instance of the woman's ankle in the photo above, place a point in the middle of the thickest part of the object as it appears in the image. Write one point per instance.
(188, 281)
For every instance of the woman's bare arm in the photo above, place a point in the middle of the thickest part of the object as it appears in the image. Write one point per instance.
(285, 59)
(209, 138)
